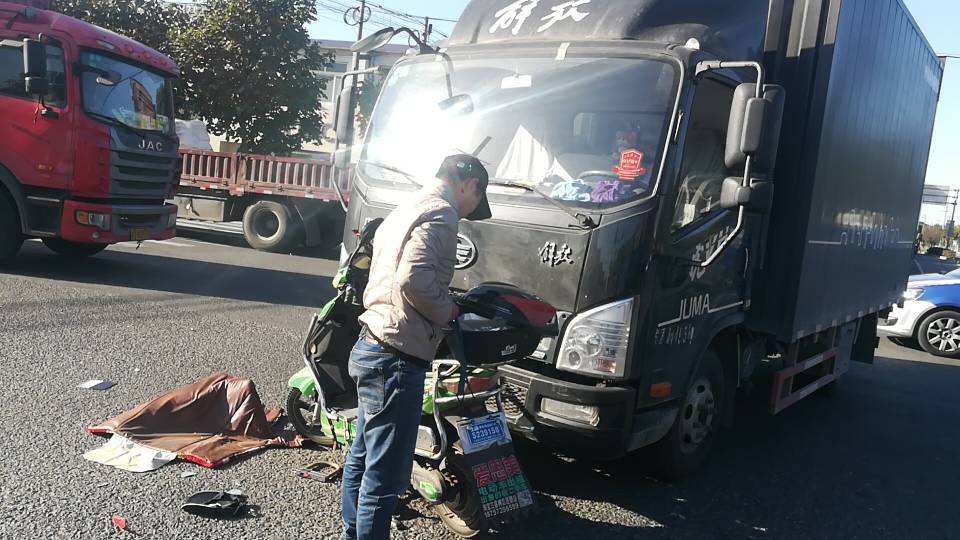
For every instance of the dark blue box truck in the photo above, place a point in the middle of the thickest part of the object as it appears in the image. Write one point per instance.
(701, 187)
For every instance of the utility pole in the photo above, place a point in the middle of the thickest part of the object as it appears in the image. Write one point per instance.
(359, 16)
(953, 213)
(427, 29)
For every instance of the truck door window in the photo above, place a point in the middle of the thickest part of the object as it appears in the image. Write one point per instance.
(703, 169)
(11, 76)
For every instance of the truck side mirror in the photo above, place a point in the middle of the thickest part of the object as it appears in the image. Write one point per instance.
(756, 197)
(35, 67)
(754, 127)
(34, 64)
(344, 116)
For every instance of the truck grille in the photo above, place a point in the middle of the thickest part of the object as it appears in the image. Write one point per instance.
(140, 175)
(513, 396)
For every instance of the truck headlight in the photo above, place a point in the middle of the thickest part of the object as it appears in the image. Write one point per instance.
(912, 294)
(585, 414)
(595, 342)
(93, 219)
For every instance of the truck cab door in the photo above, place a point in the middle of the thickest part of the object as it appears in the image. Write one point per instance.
(689, 299)
(37, 145)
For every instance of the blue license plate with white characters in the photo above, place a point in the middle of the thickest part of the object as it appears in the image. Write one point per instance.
(482, 432)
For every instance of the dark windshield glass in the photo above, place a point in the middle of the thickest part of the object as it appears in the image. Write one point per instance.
(586, 131)
(128, 93)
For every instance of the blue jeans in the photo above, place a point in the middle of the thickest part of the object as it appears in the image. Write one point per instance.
(378, 466)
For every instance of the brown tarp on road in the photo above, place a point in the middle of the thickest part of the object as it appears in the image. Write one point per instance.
(208, 422)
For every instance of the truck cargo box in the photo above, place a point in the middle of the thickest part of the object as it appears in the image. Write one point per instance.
(862, 88)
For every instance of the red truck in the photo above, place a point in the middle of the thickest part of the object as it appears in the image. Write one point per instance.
(88, 149)
(278, 203)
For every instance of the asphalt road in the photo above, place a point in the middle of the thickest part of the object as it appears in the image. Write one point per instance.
(875, 460)
(924, 264)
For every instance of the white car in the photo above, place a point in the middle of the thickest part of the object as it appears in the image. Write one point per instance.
(928, 315)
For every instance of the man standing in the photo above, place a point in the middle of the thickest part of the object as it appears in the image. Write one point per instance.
(408, 303)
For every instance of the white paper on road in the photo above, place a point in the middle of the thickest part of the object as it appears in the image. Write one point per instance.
(96, 384)
(122, 453)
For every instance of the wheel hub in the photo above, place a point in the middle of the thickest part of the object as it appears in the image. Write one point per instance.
(944, 334)
(698, 414)
(267, 225)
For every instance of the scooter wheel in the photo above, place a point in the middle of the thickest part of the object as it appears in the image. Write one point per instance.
(298, 409)
(461, 513)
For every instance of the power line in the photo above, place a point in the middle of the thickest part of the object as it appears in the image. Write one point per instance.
(386, 16)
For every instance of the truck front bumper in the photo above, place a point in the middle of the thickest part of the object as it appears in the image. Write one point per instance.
(127, 222)
(618, 429)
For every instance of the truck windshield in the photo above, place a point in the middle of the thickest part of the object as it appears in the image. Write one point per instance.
(586, 131)
(128, 93)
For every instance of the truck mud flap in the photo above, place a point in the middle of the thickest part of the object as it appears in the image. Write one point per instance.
(865, 346)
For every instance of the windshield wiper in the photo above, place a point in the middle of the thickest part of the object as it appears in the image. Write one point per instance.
(583, 219)
(114, 122)
(405, 174)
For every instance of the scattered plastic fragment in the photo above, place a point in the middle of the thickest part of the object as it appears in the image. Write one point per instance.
(96, 384)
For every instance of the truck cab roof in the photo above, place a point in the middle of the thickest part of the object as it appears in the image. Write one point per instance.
(31, 21)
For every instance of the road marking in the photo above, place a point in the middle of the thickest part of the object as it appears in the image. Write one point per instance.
(170, 243)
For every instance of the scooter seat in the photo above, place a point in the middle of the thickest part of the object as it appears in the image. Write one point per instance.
(345, 405)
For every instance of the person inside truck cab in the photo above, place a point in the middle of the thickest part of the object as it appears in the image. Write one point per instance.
(599, 180)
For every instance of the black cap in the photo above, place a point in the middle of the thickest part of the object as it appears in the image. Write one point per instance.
(460, 167)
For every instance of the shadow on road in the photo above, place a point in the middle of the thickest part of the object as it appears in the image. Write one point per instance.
(238, 241)
(874, 460)
(176, 275)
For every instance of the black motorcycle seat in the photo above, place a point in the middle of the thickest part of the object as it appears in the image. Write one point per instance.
(344, 405)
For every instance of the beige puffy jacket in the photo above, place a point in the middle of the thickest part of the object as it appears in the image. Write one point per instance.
(414, 253)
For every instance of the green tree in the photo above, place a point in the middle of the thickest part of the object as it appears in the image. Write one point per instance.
(151, 22)
(367, 93)
(249, 70)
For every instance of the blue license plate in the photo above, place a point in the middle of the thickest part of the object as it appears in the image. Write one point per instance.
(481, 432)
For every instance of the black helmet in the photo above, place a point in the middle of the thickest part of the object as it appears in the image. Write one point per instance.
(502, 323)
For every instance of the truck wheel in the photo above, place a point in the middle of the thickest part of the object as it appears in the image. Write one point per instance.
(68, 248)
(268, 226)
(10, 237)
(939, 334)
(686, 445)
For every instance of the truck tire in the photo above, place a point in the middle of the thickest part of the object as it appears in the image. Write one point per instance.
(270, 226)
(939, 334)
(76, 250)
(685, 447)
(10, 237)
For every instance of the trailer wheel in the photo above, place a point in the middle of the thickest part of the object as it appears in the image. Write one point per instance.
(10, 237)
(939, 334)
(76, 250)
(686, 445)
(269, 226)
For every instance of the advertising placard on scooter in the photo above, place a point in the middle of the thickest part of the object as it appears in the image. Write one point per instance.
(488, 451)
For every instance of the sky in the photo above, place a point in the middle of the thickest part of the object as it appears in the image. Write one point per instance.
(939, 20)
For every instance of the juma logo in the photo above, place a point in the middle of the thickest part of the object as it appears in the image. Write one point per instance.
(466, 252)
